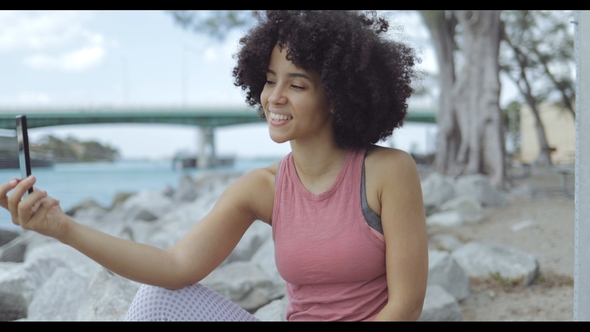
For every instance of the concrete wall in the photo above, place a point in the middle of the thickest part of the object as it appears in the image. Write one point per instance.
(560, 129)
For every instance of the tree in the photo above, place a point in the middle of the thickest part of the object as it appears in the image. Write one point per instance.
(538, 50)
(471, 138)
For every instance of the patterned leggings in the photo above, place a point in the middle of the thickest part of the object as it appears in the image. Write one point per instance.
(191, 303)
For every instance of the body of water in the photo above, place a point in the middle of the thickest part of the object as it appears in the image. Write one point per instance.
(73, 183)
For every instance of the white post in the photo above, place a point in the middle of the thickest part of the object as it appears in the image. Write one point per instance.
(206, 156)
(202, 159)
(582, 191)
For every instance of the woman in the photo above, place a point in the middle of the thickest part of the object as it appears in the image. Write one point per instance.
(347, 216)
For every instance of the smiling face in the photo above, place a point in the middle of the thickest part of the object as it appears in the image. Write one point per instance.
(294, 102)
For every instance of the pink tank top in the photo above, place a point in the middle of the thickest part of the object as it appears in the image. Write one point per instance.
(332, 261)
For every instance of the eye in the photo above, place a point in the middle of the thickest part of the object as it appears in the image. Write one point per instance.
(269, 82)
(297, 87)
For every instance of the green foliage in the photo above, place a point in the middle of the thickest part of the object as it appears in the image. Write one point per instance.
(537, 54)
(72, 150)
(504, 281)
(511, 118)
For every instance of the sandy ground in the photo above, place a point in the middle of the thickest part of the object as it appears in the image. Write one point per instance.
(551, 241)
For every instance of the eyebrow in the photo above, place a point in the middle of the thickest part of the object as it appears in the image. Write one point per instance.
(291, 74)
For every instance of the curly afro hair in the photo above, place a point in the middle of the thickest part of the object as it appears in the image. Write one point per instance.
(366, 78)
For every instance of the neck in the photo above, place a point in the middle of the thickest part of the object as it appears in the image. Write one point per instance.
(317, 162)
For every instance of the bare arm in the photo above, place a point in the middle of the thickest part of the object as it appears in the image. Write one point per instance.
(406, 240)
(202, 249)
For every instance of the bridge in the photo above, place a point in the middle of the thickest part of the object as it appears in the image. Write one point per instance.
(204, 118)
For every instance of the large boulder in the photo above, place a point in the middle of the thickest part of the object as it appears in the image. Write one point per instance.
(255, 236)
(85, 205)
(484, 260)
(59, 298)
(276, 311)
(443, 242)
(467, 207)
(445, 219)
(444, 271)
(147, 206)
(120, 198)
(187, 190)
(14, 251)
(243, 283)
(265, 258)
(440, 306)
(437, 189)
(14, 289)
(7, 235)
(479, 187)
(108, 297)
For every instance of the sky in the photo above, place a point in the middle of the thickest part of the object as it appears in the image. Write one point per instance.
(52, 59)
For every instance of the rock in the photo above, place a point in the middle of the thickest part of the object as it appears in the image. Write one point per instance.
(55, 255)
(444, 242)
(436, 189)
(254, 237)
(446, 219)
(20, 281)
(6, 236)
(482, 260)
(14, 251)
(147, 206)
(108, 297)
(440, 306)
(188, 190)
(120, 198)
(276, 311)
(524, 225)
(444, 271)
(480, 188)
(525, 190)
(243, 283)
(59, 298)
(265, 258)
(468, 208)
(168, 191)
(13, 288)
(87, 204)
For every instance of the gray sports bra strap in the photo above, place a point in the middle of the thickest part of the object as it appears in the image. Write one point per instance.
(370, 216)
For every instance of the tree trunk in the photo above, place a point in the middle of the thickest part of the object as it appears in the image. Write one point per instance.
(476, 96)
(522, 82)
(442, 30)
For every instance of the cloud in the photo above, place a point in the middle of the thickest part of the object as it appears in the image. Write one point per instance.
(25, 98)
(58, 38)
(77, 60)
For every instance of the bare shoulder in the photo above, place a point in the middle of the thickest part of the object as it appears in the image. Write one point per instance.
(254, 192)
(391, 176)
(382, 161)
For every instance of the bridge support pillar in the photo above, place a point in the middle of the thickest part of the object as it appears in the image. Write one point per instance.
(206, 152)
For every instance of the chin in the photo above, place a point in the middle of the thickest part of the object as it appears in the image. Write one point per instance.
(278, 139)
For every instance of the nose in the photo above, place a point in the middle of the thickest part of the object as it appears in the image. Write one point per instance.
(277, 96)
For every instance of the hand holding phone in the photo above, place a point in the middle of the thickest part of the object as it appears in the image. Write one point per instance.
(22, 138)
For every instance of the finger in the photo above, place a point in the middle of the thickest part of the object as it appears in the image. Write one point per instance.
(39, 218)
(4, 189)
(17, 193)
(27, 206)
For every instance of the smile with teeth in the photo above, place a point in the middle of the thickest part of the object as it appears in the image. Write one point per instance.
(279, 117)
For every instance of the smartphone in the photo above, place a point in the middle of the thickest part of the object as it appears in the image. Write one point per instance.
(22, 138)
